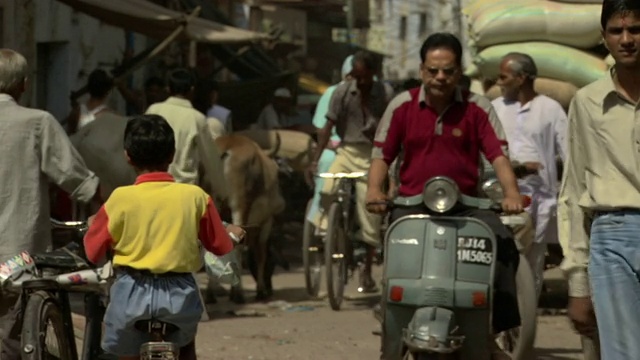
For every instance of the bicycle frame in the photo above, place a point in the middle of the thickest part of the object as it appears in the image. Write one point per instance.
(90, 282)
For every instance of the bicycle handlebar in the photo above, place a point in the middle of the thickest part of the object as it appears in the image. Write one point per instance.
(68, 225)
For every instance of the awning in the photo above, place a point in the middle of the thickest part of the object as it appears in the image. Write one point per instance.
(157, 21)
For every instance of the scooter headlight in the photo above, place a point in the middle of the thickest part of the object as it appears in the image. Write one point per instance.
(440, 194)
(493, 190)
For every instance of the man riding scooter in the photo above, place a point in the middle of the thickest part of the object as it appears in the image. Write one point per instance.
(443, 134)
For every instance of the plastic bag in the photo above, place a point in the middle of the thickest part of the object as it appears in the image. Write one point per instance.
(223, 268)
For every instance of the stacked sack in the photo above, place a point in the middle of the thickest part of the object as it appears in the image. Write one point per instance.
(558, 35)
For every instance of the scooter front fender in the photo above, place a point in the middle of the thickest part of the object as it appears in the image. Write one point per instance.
(433, 329)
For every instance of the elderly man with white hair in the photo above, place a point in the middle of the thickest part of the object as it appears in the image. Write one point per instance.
(536, 127)
(36, 149)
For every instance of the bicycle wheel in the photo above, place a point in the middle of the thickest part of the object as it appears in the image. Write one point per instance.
(43, 332)
(335, 257)
(311, 257)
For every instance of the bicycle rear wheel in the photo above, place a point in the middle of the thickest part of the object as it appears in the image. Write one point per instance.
(43, 332)
(335, 257)
(311, 257)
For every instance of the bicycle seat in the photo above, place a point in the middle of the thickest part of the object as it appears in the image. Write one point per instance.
(60, 259)
(150, 326)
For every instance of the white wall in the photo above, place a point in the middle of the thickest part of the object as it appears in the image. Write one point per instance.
(68, 45)
(422, 18)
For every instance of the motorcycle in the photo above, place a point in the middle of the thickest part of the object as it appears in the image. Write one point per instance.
(438, 280)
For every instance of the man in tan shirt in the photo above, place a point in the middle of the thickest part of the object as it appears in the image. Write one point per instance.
(197, 159)
(599, 204)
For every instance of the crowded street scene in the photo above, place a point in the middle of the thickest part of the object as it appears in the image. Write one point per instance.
(319, 179)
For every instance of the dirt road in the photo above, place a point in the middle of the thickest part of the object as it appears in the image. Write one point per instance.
(292, 327)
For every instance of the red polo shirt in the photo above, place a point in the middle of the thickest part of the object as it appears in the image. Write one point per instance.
(448, 145)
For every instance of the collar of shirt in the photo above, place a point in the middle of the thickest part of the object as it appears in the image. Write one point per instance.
(610, 95)
(458, 96)
(174, 100)
(159, 176)
(6, 97)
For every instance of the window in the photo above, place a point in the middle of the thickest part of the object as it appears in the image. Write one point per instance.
(403, 28)
(423, 24)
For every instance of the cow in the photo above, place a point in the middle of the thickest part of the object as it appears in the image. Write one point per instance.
(254, 200)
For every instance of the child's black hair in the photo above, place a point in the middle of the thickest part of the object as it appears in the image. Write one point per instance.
(149, 142)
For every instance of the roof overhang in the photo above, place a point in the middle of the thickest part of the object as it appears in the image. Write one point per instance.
(156, 21)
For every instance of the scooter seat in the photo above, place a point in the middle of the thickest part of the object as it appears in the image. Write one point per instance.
(150, 326)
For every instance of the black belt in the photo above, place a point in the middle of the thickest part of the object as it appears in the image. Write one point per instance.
(597, 213)
(147, 273)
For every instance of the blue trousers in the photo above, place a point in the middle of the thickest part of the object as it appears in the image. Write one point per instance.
(614, 270)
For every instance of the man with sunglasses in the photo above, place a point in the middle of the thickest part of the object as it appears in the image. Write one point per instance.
(443, 134)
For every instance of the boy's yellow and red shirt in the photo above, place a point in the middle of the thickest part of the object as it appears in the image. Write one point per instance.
(155, 225)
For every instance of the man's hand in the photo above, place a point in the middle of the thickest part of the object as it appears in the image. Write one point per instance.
(512, 204)
(581, 314)
(90, 219)
(376, 201)
(236, 230)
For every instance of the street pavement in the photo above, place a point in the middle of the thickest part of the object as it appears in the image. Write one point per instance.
(293, 326)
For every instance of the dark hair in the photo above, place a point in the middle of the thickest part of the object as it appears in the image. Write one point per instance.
(154, 81)
(612, 7)
(442, 40)
(365, 58)
(180, 81)
(149, 142)
(99, 83)
(202, 95)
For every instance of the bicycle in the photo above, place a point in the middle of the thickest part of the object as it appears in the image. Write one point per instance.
(45, 282)
(341, 257)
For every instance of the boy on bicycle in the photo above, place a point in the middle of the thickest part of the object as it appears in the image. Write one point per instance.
(153, 228)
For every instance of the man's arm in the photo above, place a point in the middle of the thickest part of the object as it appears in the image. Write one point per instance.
(387, 145)
(63, 164)
(332, 116)
(560, 133)
(492, 149)
(213, 178)
(572, 223)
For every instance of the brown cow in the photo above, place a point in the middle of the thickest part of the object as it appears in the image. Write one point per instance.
(254, 200)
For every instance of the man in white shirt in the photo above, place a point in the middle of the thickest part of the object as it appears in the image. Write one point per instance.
(197, 159)
(276, 114)
(536, 127)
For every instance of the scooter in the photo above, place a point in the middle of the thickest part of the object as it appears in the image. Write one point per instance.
(438, 280)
